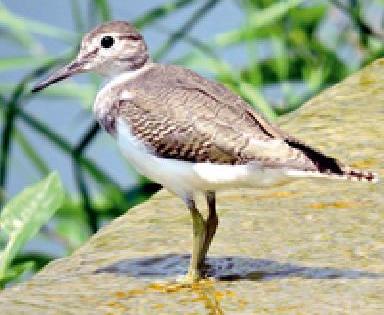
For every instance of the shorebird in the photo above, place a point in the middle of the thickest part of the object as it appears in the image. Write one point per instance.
(188, 133)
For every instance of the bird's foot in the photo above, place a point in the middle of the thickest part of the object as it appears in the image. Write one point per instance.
(191, 277)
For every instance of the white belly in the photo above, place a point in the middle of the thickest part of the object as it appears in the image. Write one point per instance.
(185, 177)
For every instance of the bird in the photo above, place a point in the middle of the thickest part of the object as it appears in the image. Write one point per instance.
(188, 133)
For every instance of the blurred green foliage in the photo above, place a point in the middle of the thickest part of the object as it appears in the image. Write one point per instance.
(23, 217)
(291, 49)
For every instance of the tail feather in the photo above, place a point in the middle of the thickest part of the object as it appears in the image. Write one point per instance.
(328, 167)
(322, 162)
(360, 175)
(348, 173)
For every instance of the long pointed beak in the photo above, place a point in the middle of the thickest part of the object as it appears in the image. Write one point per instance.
(76, 66)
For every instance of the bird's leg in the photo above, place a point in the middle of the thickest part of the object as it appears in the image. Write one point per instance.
(199, 232)
(211, 223)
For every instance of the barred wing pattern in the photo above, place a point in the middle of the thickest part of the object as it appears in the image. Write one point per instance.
(180, 115)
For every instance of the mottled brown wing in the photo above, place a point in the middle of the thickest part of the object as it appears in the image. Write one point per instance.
(181, 115)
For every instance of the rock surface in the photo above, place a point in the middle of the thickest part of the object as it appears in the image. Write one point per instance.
(308, 247)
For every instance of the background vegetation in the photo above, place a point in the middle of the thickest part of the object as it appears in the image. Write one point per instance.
(294, 49)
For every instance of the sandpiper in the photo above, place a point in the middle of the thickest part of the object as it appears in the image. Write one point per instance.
(188, 133)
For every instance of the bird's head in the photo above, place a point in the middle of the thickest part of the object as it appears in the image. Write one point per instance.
(109, 49)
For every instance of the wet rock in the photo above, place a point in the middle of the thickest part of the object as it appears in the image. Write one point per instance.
(310, 246)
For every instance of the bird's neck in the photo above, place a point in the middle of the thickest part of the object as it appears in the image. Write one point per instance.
(125, 76)
(116, 88)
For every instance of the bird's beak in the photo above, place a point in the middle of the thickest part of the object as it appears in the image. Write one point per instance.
(76, 66)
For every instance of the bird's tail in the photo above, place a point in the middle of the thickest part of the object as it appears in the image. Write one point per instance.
(347, 173)
(354, 174)
(328, 167)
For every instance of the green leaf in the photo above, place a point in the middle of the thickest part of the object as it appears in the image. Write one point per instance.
(200, 61)
(306, 16)
(22, 62)
(16, 271)
(25, 214)
(258, 19)
(74, 229)
(281, 63)
(83, 92)
(160, 12)
(22, 28)
(104, 10)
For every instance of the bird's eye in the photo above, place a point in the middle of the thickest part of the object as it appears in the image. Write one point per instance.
(107, 41)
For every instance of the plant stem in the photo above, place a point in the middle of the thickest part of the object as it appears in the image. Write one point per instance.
(184, 29)
(160, 12)
(80, 180)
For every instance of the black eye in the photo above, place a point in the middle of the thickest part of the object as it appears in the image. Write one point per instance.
(107, 41)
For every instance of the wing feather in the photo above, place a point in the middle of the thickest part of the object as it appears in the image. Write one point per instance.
(180, 115)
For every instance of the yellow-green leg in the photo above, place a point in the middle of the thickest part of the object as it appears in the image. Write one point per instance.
(199, 232)
(203, 232)
(212, 221)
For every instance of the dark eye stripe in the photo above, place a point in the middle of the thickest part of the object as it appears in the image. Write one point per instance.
(92, 53)
(131, 36)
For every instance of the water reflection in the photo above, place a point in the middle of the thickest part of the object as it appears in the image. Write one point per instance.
(228, 268)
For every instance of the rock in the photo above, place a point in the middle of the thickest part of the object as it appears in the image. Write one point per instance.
(309, 247)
